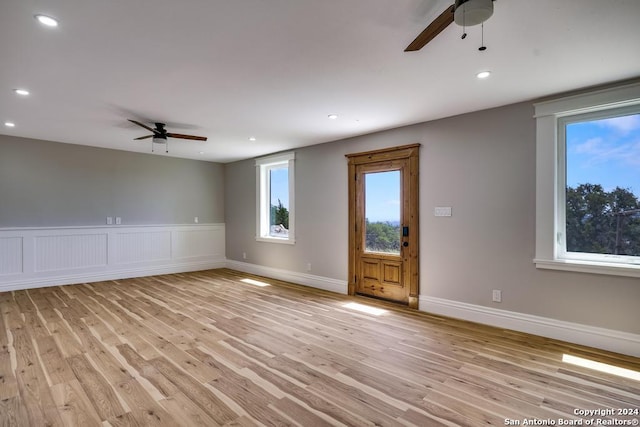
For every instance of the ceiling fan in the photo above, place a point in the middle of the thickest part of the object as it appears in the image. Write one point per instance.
(465, 13)
(160, 134)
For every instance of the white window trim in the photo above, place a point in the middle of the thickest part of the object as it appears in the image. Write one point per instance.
(550, 180)
(263, 166)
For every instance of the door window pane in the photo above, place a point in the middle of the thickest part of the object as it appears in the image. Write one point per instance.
(382, 212)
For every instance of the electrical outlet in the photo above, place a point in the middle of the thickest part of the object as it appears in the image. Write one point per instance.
(109, 220)
(244, 255)
(308, 266)
(118, 220)
(195, 219)
(497, 295)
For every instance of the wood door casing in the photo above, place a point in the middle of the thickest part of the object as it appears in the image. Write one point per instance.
(389, 276)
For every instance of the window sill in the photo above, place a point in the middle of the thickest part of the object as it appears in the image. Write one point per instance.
(593, 267)
(276, 240)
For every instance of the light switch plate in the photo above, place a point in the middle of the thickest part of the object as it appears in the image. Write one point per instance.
(442, 211)
(118, 220)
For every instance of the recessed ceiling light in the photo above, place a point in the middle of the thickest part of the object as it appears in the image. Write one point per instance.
(46, 20)
(252, 138)
(22, 92)
(9, 124)
(483, 74)
(200, 152)
(333, 116)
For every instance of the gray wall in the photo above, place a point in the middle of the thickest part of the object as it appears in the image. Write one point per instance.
(44, 183)
(482, 165)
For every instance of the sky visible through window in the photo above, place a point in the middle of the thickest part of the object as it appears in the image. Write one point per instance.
(280, 186)
(382, 196)
(605, 152)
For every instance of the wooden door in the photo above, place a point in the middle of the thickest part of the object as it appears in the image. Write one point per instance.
(383, 224)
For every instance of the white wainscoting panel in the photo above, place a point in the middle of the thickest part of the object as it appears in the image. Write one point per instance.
(10, 255)
(197, 243)
(36, 257)
(70, 251)
(142, 246)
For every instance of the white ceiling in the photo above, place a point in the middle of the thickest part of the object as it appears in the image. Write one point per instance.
(274, 69)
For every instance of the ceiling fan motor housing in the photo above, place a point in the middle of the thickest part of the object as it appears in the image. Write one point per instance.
(160, 134)
(472, 12)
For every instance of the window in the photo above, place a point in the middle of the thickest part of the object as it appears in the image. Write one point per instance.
(588, 182)
(601, 186)
(275, 199)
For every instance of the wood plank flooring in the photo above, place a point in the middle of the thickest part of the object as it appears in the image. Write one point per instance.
(208, 348)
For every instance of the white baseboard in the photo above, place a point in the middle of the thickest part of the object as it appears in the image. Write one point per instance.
(320, 282)
(606, 339)
(111, 275)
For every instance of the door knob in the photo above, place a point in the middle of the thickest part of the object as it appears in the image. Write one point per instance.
(405, 244)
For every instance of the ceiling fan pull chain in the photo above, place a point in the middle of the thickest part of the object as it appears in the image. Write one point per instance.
(483, 47)
(464, 25)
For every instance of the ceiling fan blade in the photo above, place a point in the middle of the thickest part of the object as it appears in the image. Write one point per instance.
(432, 30)
(181, 136)
(143, 125)
(143, 137)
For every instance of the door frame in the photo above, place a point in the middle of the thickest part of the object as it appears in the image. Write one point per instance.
(410, 256)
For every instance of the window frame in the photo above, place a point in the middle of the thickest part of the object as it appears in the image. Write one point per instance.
(551, 118)
(561, 221)
(263, 190)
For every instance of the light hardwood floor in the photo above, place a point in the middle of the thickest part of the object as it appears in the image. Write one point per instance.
(207, 349)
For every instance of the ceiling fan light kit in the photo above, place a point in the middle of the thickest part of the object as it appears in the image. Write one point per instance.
(468, 13)
(160, 139)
